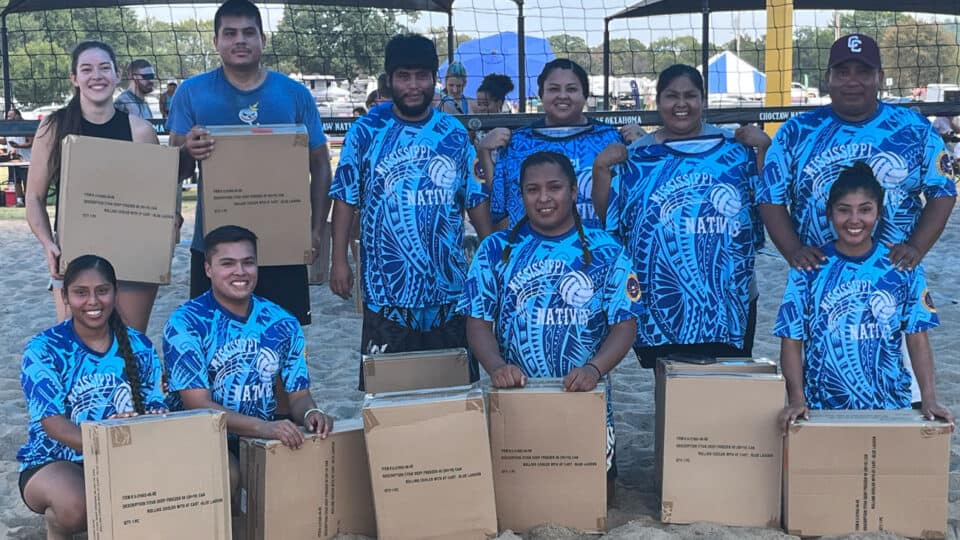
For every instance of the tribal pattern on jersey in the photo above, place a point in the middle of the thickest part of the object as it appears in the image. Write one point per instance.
(687, 221)
(412, 182)
(579, 143)
(907, 156)
(550, 311)
(238, 360)
(61, 375)
(851, 316)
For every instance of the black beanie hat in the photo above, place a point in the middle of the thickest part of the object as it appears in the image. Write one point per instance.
(410, 50)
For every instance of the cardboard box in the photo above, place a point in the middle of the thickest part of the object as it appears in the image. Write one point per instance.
(540, 473)
(430, 467)
(320, 490)
(401, 372)
(118, 200)
(157, 477)
(259, 178)
(851, 472)
(721, 365)
(722, 448)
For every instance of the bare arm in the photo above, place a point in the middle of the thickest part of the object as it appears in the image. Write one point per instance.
(791, 363)
(481, 220)
(195, 146)
(143, 131)
(320, 176)
(484, 346)
(780, 227)
(341, 277)
(933, 219)
(612, 350)
(59, 428)
(300, 402)
(921, 359)
(613, 154)
(248, 426)
(38, 184)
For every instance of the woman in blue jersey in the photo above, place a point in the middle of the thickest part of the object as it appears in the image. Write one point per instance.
(452, 100)
(93, 72)
(842, 325)
(682, 205)
(563, 87)
(561, 294)
(89, 367)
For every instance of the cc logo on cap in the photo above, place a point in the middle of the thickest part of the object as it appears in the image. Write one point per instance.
(853, 43)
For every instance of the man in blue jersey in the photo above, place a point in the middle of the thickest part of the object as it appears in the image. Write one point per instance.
(224, 349)
(906, 154)
(408, 168)
(241, 91)
(904, 151)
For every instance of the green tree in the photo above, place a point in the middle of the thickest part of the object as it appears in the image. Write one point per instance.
(751, 50)
(343, 42)
(439, 37)
(575, 48)
(915, 55)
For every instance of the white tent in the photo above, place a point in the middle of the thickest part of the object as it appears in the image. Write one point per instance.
(730, 74)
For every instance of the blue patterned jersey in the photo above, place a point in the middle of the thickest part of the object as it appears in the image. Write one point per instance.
(412, 182)
(684, 212)
(61, 375)
(579, 143)
(851, 315)
(551, 311)
(237, 359)
(809, 151)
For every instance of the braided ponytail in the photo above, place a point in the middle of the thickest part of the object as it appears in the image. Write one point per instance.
(511, 239)
(131, 367)
(587, 257)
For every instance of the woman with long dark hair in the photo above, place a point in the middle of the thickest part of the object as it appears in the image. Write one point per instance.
(93, 73)
(89, 367)
(683, 206)
(563, 87)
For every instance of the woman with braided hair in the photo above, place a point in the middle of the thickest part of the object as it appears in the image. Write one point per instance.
(561, 294)
(89, 367)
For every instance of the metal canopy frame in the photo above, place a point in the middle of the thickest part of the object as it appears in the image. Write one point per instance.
(649, 8)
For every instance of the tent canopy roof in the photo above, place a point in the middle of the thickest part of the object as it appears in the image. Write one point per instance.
(24, 6)
(646, 8)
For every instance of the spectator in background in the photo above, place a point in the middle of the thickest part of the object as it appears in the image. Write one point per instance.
(133, 100)
(20, 145)
(359, 111)
(493, 90)
(949, 129)
(381, 94)
(166, 97)
(452, 100)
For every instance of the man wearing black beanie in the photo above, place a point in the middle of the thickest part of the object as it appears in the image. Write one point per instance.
(408, 168)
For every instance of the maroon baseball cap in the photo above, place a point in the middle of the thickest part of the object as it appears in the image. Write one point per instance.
(858, 47)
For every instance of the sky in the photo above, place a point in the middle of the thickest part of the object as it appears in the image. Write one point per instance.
(543, 18)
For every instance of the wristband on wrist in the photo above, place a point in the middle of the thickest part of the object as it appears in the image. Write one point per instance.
(315, 409)
(595, 368)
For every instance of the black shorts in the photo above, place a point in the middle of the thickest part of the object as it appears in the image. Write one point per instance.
(648, 355)
(285, 286)
(381, 334)
(27, 474)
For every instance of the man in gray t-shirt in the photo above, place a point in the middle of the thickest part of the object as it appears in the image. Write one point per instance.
(133, 99)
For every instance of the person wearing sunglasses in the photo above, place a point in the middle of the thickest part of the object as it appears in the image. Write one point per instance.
(133, 100)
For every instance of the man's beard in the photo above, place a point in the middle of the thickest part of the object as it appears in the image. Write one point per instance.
(413, 110)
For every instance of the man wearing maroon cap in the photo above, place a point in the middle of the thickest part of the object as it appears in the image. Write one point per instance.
(906, 154)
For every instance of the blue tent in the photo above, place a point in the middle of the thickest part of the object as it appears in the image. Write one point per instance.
(499, 54)
(730, 74)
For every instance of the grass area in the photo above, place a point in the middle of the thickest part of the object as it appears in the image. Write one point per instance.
(10, 213)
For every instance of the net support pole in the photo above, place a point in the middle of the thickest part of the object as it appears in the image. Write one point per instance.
(705, 50)
(450, 43)
(7, 90)
(606, 64)
(778, 57)
(521, 57)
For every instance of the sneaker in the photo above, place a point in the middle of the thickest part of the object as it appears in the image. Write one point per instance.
(20, 202)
